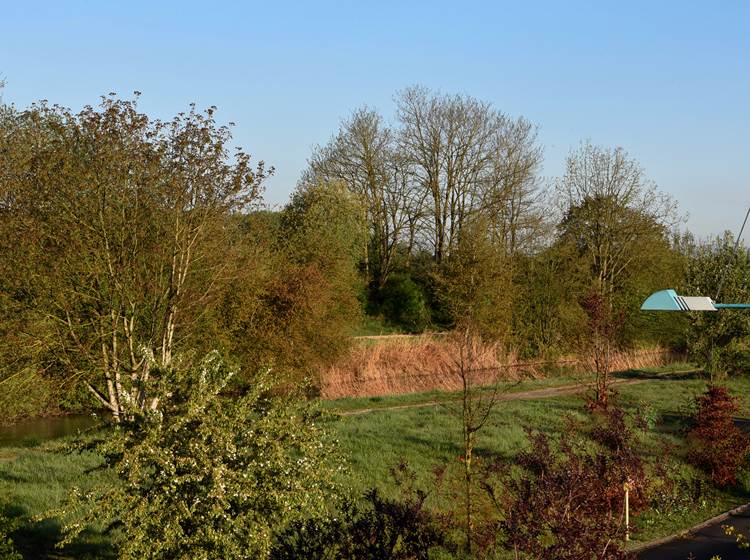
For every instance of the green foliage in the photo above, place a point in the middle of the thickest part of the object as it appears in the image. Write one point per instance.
(547, 318)
(373, 528)
(325, 225)
(616, 224)
(25, 393)
(7, 548)
(474, 282)
(313, 294)
(720, 341)
(131, 215)
(205, 476)
(403, 303)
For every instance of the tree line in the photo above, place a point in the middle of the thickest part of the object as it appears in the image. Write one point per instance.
(127, 242)
(453, 201)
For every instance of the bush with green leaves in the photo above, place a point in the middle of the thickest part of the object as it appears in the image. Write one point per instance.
(206, 475)
(719, 341)
(404, 304)
(7, 548)
(374, 527)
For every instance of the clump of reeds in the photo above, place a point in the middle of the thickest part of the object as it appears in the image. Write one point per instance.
(393, 365)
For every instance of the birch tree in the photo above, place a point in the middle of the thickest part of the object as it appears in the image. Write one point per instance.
(131, 218)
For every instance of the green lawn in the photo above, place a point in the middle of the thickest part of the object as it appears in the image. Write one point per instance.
(35, 479)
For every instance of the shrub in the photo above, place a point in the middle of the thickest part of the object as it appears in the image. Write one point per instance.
(565, 501)
(373, 528)
(7, 548)
(403, 303)
(673, 491)
(715, 443)
(205, 476)
(603, 326)
(624, 465)
(377, 528)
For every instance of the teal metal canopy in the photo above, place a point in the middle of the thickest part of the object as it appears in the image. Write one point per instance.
(668, 300)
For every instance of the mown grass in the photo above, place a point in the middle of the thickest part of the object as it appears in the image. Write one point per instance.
(36, 479)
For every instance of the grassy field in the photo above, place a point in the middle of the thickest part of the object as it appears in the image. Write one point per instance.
(427, 437)
(35, 479)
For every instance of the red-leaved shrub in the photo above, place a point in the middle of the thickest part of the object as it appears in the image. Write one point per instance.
(715, 443)
(564, 501)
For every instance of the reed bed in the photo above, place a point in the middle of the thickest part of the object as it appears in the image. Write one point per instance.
(397, 365)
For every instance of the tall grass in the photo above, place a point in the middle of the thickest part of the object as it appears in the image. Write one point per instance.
(397, 365)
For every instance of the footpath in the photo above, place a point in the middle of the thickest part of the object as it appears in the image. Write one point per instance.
(510, 396)
(703, 542)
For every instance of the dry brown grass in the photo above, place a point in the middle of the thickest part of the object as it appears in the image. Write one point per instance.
(398, 365)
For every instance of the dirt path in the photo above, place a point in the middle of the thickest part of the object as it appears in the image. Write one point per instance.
(518, 396)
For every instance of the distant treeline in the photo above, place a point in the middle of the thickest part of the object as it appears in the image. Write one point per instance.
(457, 212)
(128, 244)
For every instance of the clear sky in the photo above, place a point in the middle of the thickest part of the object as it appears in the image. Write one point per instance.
(668, 81)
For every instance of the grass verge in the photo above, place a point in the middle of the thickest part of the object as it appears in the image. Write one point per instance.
(530, 384)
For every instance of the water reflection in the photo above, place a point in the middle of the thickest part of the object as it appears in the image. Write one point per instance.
(36, 430)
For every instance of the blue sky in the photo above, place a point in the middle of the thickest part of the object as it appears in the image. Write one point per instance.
(668, 81)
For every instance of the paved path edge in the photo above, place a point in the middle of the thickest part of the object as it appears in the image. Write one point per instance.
(695, 528)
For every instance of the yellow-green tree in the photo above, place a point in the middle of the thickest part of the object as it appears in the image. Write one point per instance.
(119, 224)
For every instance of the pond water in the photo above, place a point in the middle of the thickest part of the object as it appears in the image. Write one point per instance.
(36, 430)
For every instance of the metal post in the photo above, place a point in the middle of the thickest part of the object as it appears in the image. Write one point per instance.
(626, 486)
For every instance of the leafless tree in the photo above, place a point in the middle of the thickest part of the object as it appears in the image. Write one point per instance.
(468, 158)
(363, 155)
(447, 142)
(512, 194)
